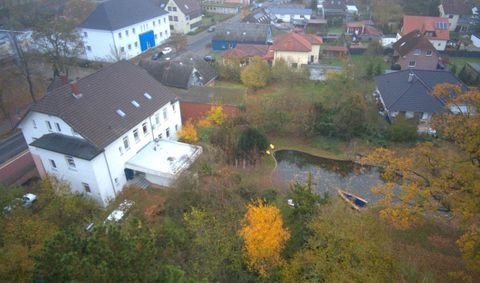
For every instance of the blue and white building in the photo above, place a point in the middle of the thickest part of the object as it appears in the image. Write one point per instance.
(122, 29)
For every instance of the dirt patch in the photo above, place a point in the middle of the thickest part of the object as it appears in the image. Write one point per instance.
(438, 264)
(442, 242)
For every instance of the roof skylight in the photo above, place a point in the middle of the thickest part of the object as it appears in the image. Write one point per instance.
(135, 103)
(121, 113)
(147, 96)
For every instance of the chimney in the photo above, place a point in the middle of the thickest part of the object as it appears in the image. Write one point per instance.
(75, 87)
(411, 77)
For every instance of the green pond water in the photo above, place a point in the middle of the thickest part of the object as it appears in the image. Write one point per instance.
(327, 175)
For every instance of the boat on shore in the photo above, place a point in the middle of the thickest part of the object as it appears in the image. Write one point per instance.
(355, 201)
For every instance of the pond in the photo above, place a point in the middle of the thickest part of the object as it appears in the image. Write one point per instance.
(327, 175)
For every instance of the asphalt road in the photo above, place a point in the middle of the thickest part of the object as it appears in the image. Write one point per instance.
(12, 146)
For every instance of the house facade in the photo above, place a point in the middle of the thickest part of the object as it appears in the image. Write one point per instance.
(95, 132)
(414, 51)
(220, 7)
(460, 14)
(228, 35)
(184, 15)
(408, 93)
(435, 29)
(297, 49)
(122, 29)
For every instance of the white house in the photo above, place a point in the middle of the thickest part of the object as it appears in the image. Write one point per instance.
(122, 29)
(107, 128)
(184, 15)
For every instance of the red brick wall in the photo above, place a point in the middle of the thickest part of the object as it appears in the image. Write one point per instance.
(18, 170)
(196, 111)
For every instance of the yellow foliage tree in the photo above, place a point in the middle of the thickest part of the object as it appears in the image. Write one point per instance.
(216, 115)
(264, 237)
(188, 133)
(438, 175)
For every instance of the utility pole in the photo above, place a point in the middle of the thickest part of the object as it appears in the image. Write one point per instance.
(22, 62)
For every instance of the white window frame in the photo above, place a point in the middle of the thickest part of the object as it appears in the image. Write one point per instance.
(53, 165)
(145, 128)
(165, 115)
(136, 135)
(57, 125)
(86, 188)
(70, 162)
(126, 143)
(49, 126)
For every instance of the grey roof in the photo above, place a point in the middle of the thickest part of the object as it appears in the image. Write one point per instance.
(289, 10)
(243, 32)
(399, 94)
(257, 16)
(68, 145)
(475, 66)
(181, 72)
(115, 14)
(94, 114)
(189, 7)
(412, 40)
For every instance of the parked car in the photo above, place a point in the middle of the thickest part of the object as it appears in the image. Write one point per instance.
(211, 29)
(156, 55)
(120, 212)
(209, 58)
(26, 201)
(167, 50)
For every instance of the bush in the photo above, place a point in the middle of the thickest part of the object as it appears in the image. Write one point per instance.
(402, 130)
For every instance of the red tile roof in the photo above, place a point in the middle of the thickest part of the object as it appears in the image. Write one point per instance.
(335, 48)
(296, 42)
(426, 24)
(246, 50)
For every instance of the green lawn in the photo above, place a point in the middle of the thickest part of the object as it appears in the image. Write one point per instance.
(461, 61)
(338, 29)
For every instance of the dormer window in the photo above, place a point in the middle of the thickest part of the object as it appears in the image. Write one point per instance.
(429, 52)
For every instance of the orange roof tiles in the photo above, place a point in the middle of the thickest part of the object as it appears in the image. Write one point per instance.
(426, 24)
(296, 42)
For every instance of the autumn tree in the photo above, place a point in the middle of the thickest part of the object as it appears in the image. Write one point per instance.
(110, 254)
(386, 11)
(58, 41)
(256, 74)
(78, 10)
(280, 70)
(264, 237)
(179, 41)
(188, 133)
(228, 70)
(438, 176)
(344, 246)
(214, 250)
(216, 115)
